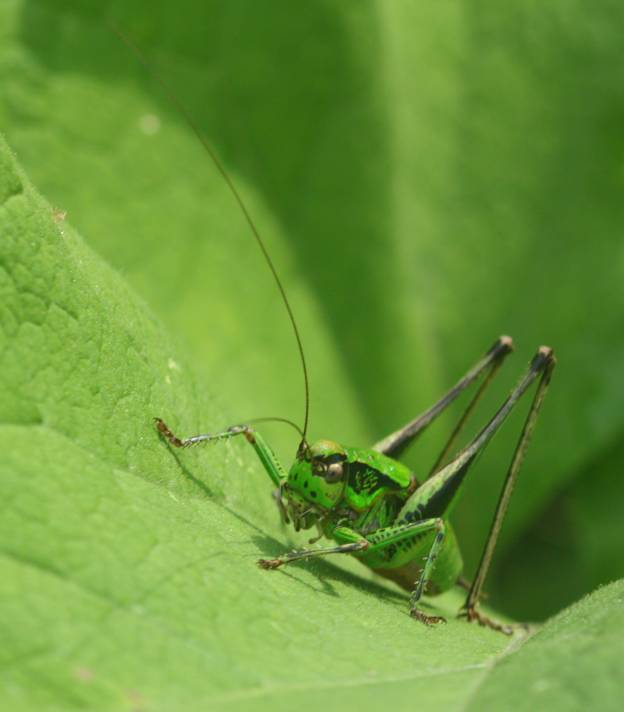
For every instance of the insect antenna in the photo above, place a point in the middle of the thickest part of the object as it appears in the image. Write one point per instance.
(277, 419)
(175, 101)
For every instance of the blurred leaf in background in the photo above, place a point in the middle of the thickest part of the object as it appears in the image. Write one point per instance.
(427, 176)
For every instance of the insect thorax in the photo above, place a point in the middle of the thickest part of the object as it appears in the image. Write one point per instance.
(348, 483)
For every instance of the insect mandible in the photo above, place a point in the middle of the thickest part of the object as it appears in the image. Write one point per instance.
(364, 499)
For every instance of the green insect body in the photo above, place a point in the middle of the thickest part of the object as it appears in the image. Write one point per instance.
(378, 497)
(369, 503)
(372, 505)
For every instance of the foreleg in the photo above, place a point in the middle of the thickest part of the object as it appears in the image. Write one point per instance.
(267, 457)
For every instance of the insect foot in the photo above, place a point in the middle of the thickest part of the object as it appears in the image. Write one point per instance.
(424, 618)
(162, 428)
(471, 614)
(269, 563)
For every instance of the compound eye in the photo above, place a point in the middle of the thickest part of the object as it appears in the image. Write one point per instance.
(334, 472)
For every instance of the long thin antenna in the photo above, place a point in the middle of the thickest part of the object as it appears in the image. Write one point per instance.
(204, 142)
(276, 419)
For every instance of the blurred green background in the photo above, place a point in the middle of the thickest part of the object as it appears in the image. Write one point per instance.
(426, 175)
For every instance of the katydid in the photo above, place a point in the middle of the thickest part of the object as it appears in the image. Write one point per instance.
(365, 500)
(374, 508)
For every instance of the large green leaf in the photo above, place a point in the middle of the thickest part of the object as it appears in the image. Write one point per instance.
(126, 572)
(427, 175)
(573, 663)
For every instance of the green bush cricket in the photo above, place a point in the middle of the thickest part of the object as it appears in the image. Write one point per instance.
(365, 500)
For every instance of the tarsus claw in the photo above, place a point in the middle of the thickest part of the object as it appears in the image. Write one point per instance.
(269, 563)
(424, 618)
(471, 614)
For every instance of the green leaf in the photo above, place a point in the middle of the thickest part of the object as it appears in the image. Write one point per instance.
(573, 663)
(427, 176)
(127, 577)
